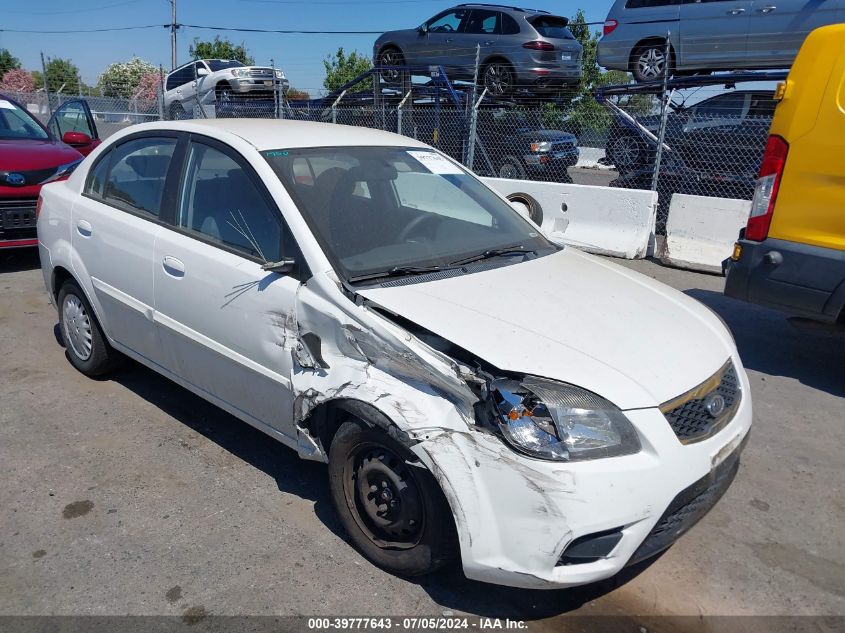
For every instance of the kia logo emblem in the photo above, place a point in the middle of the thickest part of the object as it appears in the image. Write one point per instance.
(16, 180)
(715, 405)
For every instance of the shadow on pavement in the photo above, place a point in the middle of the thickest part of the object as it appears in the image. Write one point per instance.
(19, 259)
(448, 587)
(770, 343)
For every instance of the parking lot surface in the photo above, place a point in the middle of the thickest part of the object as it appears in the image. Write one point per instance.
(129, 495)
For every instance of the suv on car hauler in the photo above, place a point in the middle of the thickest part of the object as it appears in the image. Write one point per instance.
(520, 48)
(227, 85)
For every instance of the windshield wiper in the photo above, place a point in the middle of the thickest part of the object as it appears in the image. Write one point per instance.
(402, 271)
(494, 252)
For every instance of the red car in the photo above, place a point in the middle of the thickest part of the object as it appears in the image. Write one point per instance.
(32, 155)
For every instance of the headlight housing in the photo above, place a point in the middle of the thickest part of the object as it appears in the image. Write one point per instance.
(541, 147)
(239, 72)
(62, 171)
(280, 74)
(556, 421)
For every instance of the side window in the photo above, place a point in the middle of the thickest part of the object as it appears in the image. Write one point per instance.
(97, 177)
(448, 22)
(729, 105)
(221, 203)
(642, 4)
(71, 117)
(509, 25)
(482, 21)
(138, 172)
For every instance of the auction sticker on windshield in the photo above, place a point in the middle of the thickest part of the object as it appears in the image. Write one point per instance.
(6, 105)
(436, 163)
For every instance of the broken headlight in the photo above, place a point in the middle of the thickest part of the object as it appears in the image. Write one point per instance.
(556, 421)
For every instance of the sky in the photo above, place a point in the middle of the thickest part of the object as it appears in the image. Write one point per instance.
(300, 56)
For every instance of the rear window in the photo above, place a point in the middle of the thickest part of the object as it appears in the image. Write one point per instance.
(552, 27)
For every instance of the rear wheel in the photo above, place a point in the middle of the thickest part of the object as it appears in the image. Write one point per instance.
(498, 78)
(85, 345)
(625, 151)
(392, 507)
(649, 62)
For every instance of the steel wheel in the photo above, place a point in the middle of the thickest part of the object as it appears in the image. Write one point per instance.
(650, 63)
(383, 496)
(76, 327)
(498, 79)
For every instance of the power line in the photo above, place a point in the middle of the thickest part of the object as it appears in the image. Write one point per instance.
(281, 31)
(104, 30)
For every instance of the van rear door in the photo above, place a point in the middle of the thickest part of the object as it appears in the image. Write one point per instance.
(777, 28)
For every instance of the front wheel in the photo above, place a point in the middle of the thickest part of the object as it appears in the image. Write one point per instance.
(626, 152)
(391, 506)
(511, 168)
(391, 57)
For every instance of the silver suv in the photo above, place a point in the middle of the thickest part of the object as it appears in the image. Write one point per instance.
(520, 48)
(226, 85)
(709, 34)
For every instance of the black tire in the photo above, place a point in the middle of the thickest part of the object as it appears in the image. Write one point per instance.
(626, 151)
(177, 112)
(511, 168)
(535, 209)
(85, 345)
(649, 63)
(391, 56)
(498, 77)
(368, 469)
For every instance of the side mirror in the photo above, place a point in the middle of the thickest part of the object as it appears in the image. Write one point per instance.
(422, 29)
(202, 72)
(77, 139)
(282, 267)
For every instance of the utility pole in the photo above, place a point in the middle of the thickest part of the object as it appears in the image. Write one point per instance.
(173, 27)
(46, 84)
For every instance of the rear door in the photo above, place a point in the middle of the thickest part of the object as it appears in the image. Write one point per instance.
(483, 28)
(75, 117)
(228, 327)
(114, 226)
(778, 28)
(713, 33)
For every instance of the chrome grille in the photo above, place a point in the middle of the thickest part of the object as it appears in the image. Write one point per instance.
(703, 411)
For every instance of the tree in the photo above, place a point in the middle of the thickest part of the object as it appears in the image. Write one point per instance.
(62, 75)
(293, 94)
(342, 68)
(220, 49)
(147, 91)
(122, 79)
(17, 80)
(8, 62)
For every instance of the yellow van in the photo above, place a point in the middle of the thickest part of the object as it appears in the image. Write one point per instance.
(791, 255)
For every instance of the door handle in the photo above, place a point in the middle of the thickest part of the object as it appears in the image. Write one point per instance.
(173, 266)
(84, 228)
(488, 42)
(736, 11)
(767, 9)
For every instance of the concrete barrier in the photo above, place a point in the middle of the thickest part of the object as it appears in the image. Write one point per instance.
(601, 220)
(701, 231)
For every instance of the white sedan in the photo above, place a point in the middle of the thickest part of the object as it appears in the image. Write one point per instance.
(475, 389)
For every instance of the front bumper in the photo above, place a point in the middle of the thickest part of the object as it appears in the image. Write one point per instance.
(552, 163)
(248, 84)
(797, 278)
(17, 222)
(516, 516)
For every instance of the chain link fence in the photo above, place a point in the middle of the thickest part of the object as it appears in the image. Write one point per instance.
(713, 137)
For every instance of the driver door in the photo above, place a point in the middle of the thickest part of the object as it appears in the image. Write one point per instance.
(441, 41)
(73, 124)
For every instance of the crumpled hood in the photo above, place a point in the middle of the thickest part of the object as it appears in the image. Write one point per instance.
(575, 318)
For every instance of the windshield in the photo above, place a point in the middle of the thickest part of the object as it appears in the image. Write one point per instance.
(380, 209)
(220, 64)
(16, 123)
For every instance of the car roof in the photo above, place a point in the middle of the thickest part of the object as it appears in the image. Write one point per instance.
(265, 134)
(504, 7)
